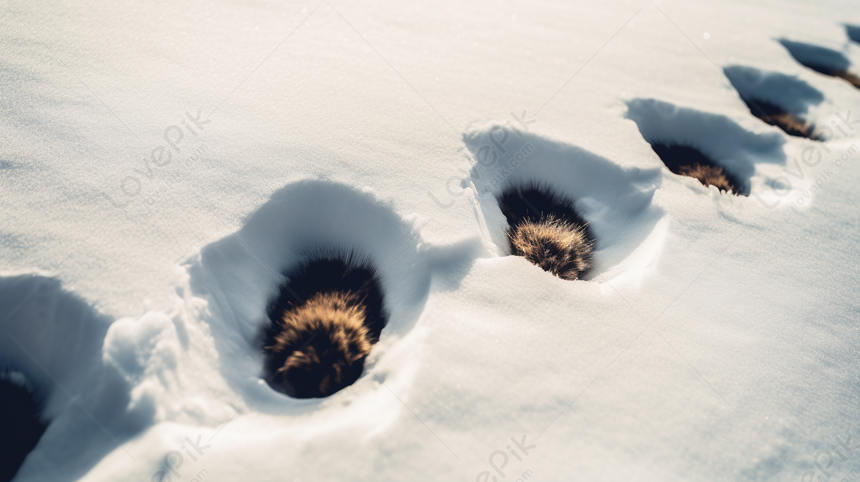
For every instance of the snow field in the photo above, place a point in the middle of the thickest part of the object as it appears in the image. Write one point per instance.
(715, 340)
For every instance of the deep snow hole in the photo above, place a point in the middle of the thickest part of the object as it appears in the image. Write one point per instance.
(853, 32)
(21, 424)
(778, 99)
(822, 60)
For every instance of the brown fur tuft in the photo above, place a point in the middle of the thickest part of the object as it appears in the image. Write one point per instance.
(556, 245)
(850, 77)
(790, 124)
(709, 176)
(325, 341)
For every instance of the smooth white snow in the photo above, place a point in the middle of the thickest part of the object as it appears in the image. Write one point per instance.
(716, 340)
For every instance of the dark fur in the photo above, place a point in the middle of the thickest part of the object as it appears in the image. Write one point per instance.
(323, 322)
(323, 343)
(849, 76)
(779, 117)
(852, 78)
(21, 425)
(689, 161)
(709, 176)
(556, 246)
(546, 229)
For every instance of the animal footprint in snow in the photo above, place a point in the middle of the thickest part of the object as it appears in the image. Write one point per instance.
(51, 338)
(307, 269)
(545, 229)
(822, 60)
(535, 194)
(708, 147)
(778, 99)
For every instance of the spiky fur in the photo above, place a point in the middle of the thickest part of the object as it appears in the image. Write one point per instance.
(556, 245)
(545, 228)
(775, 115)
(324, 343)
(709, 176)
(686, 160)
(791, 125)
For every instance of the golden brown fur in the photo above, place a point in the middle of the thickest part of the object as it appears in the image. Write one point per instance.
(325, 341)
(850, 77)
(790, 124)
(556, 245)
(709, 176)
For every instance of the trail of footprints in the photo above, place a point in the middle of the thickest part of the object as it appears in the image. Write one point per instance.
(331, 309)
(759, 91)
(328, 315)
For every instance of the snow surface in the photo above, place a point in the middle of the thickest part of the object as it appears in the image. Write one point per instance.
(162, 163)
